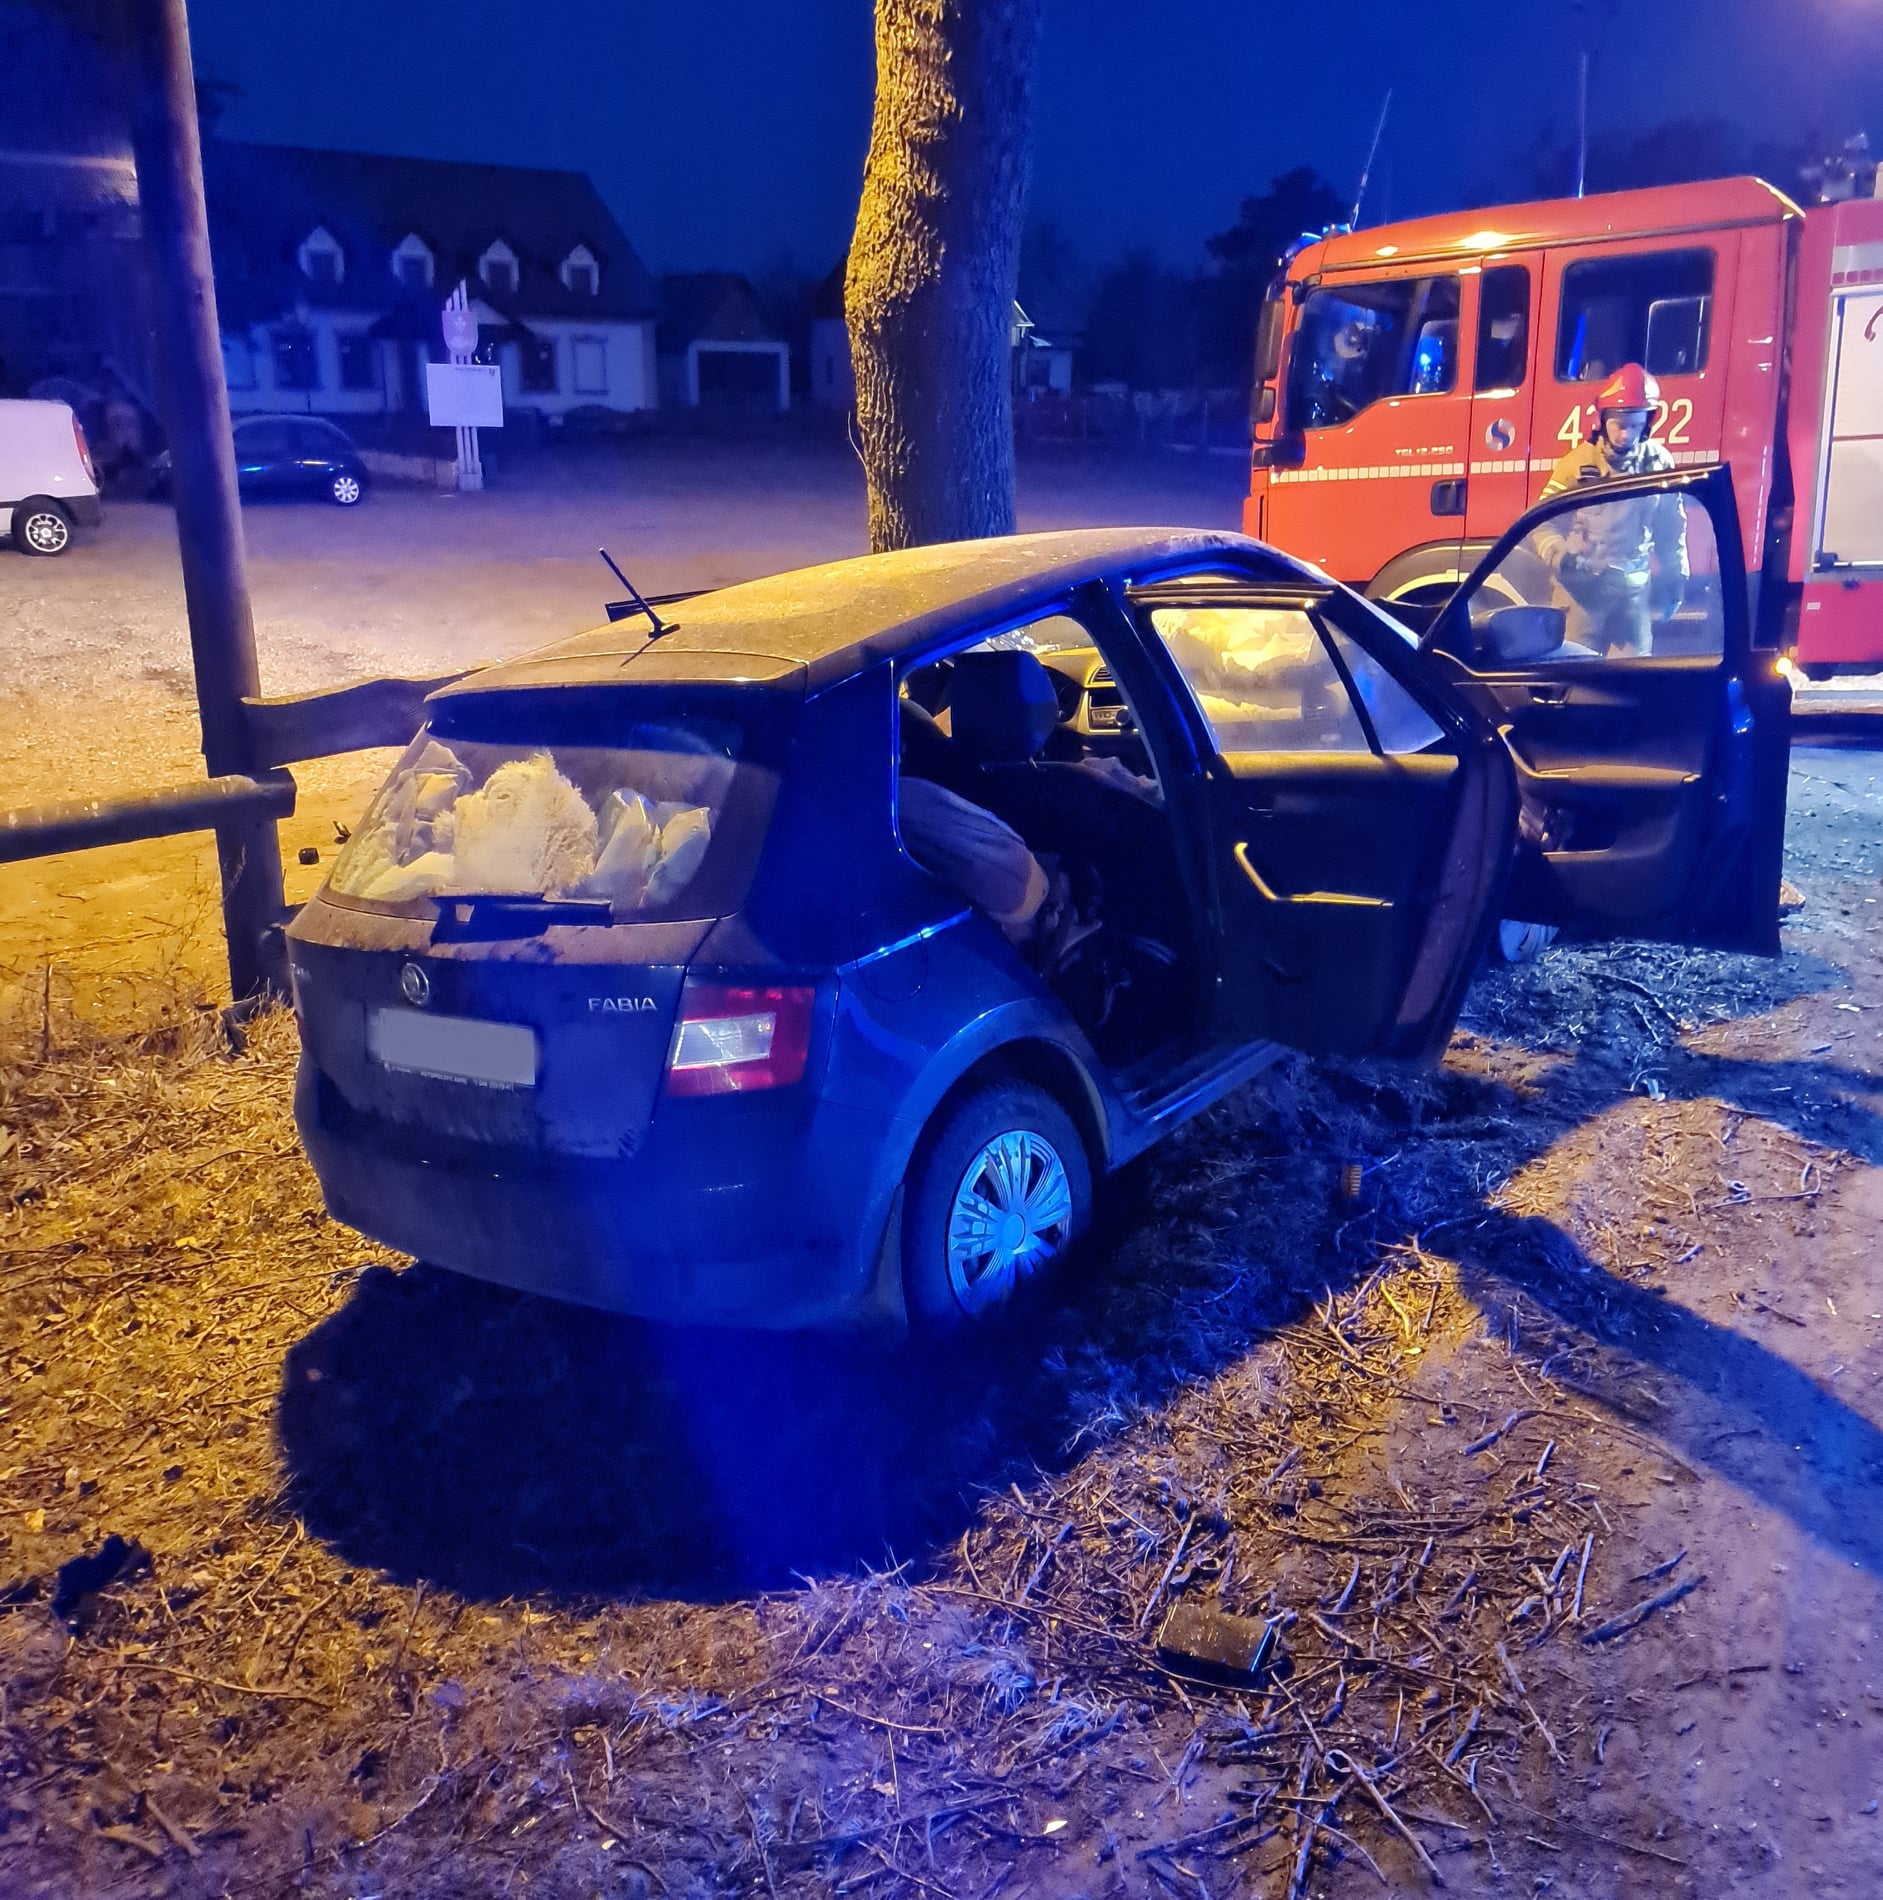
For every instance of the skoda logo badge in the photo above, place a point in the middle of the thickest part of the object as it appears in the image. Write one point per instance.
(415, 986)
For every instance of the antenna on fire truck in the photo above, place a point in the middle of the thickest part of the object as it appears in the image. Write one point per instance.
(1582, 124)
(1373, 152)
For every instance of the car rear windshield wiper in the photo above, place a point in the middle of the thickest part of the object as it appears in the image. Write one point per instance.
(472, 916)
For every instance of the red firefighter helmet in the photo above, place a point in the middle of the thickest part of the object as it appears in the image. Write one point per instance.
(1631, 387)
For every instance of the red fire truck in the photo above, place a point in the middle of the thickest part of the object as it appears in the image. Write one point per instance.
(1416, 382)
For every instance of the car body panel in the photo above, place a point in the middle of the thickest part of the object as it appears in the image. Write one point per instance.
(280, 456)
(42, 454)
(780, 1208)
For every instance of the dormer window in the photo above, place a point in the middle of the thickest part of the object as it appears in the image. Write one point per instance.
(498, 268)
(412, 262)
(580, 272)
(321, 259)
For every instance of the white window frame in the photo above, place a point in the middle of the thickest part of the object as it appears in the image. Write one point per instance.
(320, 242)
(582, 259)
(499, 256)
(577, 385)
(408, 247)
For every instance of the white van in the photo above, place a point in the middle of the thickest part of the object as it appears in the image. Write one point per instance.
(47, 483)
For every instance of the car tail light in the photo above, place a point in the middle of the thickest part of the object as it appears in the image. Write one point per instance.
(84, 452)
(729, 1039)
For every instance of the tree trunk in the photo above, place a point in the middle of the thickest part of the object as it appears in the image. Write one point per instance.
(929, 290)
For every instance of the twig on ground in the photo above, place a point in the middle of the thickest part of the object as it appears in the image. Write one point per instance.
(1622, 1624)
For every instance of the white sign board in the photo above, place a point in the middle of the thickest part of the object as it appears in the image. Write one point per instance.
(464, 395)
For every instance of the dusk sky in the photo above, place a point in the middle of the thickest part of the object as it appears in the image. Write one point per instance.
(725, 131)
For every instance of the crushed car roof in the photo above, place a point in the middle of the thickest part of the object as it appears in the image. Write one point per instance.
(821, 624)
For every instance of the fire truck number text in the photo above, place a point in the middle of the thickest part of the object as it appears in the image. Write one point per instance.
(1673, 422)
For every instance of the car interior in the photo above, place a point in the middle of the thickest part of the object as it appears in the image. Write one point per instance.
(1045, 741)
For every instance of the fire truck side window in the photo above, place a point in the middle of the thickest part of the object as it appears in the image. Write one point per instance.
(1358, 344)
(1503, 328)
(1652, 309)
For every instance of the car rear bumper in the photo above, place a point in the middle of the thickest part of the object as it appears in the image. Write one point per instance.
(86, 511)
(677, 1231)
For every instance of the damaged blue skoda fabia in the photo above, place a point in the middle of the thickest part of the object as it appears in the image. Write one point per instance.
(806, 956)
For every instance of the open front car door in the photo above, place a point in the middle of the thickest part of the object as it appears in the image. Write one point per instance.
(1608, 637)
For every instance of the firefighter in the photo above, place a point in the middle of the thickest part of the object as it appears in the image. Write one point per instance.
(1619, 568)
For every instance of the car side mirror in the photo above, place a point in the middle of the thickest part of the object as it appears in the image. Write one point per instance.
(1265, 404)
(1506, 636)
(1511, 636)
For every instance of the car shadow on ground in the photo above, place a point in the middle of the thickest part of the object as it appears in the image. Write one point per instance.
(501, 1445)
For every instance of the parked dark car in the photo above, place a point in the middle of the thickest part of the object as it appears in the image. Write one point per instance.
(677, 974)
(280, 456)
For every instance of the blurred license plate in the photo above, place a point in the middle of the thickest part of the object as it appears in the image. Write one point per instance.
(462, 1048)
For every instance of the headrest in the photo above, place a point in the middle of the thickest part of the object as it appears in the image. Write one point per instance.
(1001, 706)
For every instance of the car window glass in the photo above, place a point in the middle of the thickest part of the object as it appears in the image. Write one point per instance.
(1400, 723)
(315, 438)
(1503, 327)
(1261, 678)
(1358, 344)
(1652, 309)
(1052, 635)
(259, 441)
(1633, 579)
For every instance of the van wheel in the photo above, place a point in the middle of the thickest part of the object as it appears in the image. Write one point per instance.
(40, 527)
(1000, 1191)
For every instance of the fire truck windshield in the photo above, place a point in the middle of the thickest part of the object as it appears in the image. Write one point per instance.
(1356, 344)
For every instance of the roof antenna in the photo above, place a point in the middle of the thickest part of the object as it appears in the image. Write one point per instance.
(1373, 152)
(635, 604)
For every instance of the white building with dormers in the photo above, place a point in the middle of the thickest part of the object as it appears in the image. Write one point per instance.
(331, 269)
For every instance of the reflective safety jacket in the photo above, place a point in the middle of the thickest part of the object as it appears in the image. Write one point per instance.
(1625, 538)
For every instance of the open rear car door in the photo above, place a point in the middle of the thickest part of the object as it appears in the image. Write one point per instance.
(1358, 816)
(1608, 637)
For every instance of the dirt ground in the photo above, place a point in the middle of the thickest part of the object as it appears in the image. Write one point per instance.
(411, 583)
(432, 1589)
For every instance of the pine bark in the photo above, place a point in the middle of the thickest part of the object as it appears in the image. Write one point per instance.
(928, 293)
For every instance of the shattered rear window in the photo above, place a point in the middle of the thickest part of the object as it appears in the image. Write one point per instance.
(658, 822)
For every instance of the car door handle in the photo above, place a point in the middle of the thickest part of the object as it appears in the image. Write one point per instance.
(1549, 695)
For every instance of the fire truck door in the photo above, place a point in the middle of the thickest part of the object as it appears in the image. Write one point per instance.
(1607, 637)
(1379, 398)
(1848, 531)
(1665, 303)
(1502, 397)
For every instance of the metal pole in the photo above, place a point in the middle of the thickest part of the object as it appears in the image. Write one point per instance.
(208, 509)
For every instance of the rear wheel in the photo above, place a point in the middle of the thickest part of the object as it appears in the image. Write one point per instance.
(347, 490)
(999, 1193)
(40, 527)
